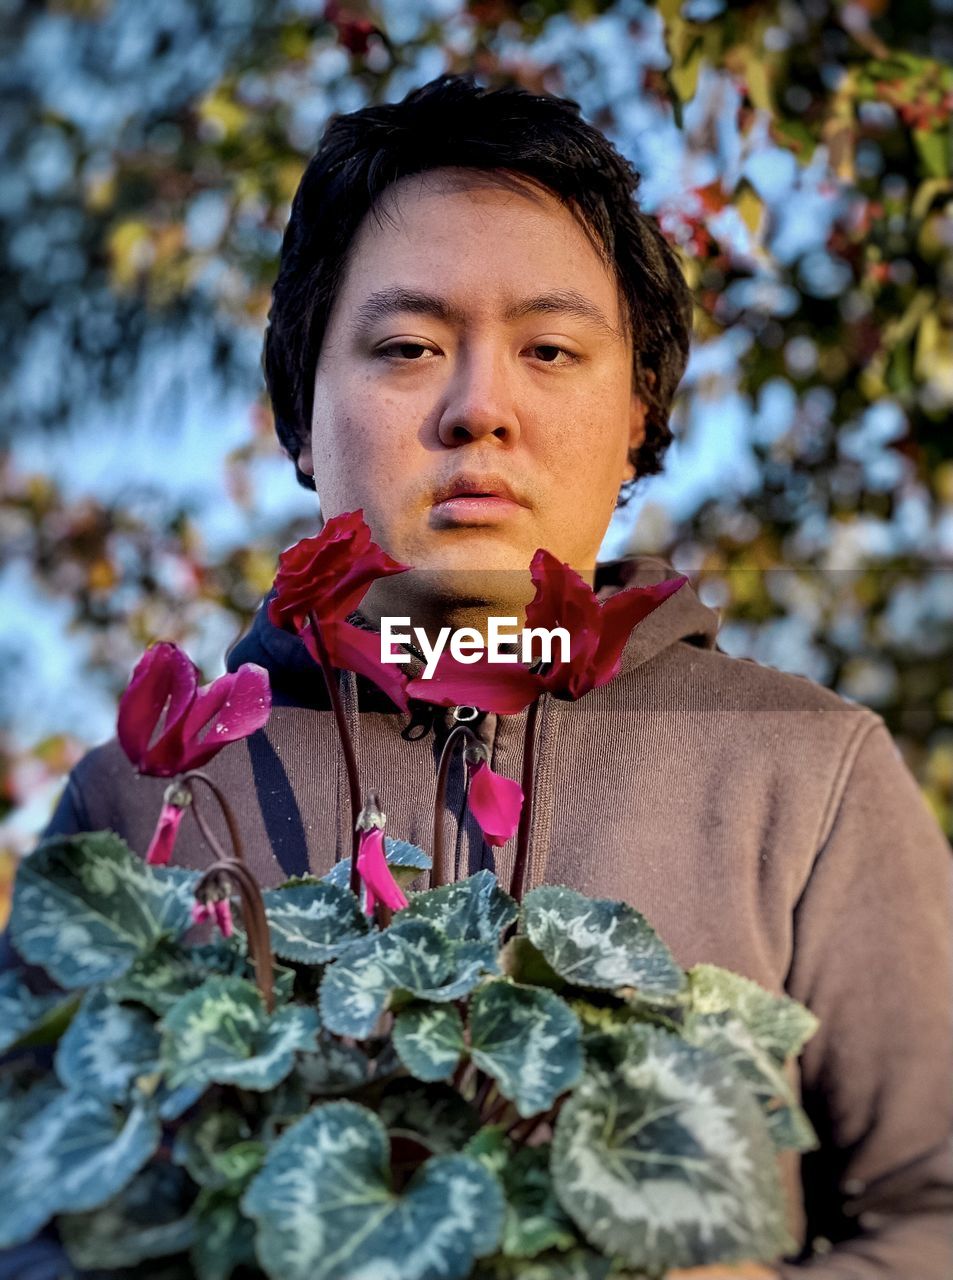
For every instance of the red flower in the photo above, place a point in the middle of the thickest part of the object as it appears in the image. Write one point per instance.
(168, 725)
(379, 884)
(218, 912)
(175, 802)
(329, 575)
(597, 634)
(495, 802)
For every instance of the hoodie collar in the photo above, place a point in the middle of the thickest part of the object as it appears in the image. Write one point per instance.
(297, 681)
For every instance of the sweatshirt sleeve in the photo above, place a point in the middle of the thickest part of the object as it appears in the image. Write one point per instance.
(873, 959)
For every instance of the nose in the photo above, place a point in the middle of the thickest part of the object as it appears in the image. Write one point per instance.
(479, 401)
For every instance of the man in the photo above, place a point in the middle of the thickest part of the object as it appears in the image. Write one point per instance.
(475, 338)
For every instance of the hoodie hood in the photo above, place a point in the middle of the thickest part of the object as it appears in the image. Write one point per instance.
(297, 681)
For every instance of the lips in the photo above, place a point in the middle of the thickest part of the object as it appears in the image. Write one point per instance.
(471, 486)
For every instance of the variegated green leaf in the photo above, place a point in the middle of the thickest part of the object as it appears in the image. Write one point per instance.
(218, 1148)
(224, 1237)
(334, 1067)
(73, 1155)
(593, 942)
(429, 1040)
(471, 910)
(168, 971)
(313, 923)
(106, 1047)
(667, 1160)
(150, 1218)
(222, 1033)
(780, 1025)
(326, 1209)
(84, 907)
(21, 1012)
(434, 1115)
(412, 956)
(405, 860)
(535, 1221)
(732, 1040)
(528, 1040)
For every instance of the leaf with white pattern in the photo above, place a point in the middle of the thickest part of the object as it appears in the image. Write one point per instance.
(84, 907)
(106, 1046)
(313, 923)
(325, 1206)
(594, 942)
(667, 1160)
(412, 956)
(73, 1155)
(150, 1218)
(429, 1040)
(471, 910)
(528, 1040)
(221, 1033)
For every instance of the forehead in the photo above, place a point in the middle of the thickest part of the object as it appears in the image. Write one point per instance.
(491, 237)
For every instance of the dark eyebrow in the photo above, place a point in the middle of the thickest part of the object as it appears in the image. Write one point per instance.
(388, 302)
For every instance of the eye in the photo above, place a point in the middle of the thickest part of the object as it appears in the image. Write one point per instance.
(405, 351)
(549, 353)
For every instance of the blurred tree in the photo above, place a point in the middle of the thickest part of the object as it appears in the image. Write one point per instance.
(800, 156)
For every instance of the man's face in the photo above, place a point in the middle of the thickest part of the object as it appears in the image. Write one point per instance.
(476, 347)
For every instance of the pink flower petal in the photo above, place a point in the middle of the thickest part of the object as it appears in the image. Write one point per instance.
(372, 867)
(223, 916)
(495, 802)
(162, 687)
(231, 707)
(163, 840)
(202, 912)
(351, 649)
(621, 614)
(329, 574)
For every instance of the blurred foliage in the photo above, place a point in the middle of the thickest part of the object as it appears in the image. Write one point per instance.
(151, 152)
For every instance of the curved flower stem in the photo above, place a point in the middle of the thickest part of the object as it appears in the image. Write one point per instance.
(347, 745)
(526, 816)
(253, 909)
(223, 804)
(460, 733)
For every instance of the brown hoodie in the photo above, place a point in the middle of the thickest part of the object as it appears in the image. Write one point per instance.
(760, 822)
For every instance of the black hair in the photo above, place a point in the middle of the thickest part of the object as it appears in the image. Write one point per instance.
(452, 122)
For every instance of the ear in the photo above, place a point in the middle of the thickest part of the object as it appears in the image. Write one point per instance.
(636, 433)
(306, 458)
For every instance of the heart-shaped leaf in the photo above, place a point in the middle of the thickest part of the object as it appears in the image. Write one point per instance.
(73, 1155)
(471, 910)
(780, 1025)
(667, 1160)
(593, 942)
(528, 1040)
(325, 1206)
(313, 923)
(149, 1219)
(84, 907)
(429, 1040)
(218, 1148)
(412, 956)
(222, 1033)
(106, 1047)
(224, 1237)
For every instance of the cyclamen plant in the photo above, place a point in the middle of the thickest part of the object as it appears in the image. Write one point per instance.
(354, 1079)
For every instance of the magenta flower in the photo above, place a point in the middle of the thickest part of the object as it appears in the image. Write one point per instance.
(329, 575)
(494, 801)
(168, 725)
(218, 912)
(379, 883)
(174, 803)
(597, 634)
